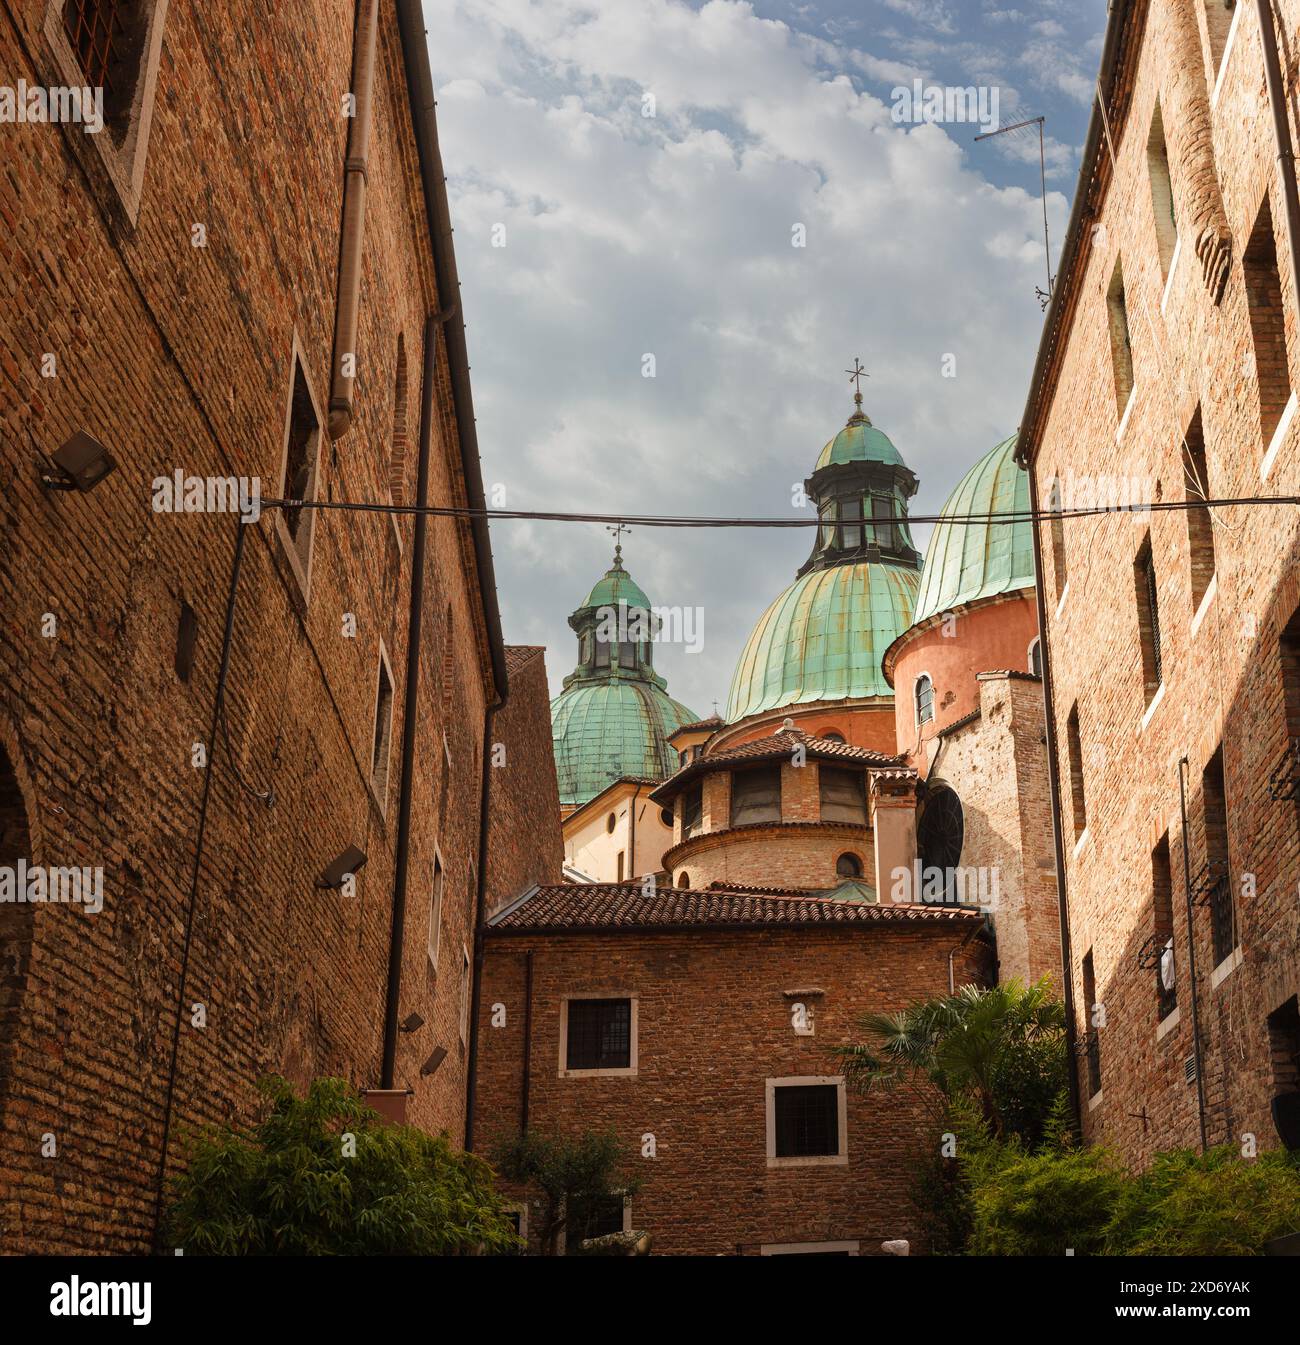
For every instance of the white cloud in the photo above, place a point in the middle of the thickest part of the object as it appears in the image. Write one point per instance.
(671, 235)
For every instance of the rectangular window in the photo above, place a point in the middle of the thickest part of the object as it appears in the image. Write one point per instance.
(1121, 348)
(187, 639)
(1092, 1017)
(1074, 750)
(627, 654)
(1284, 1047)
(1288, 649)
(693, 810)
(756, 796)
(1162, 192)
(1162, 920)
(383, 731)
(1216, 884)
(620, 866)
(850, 524)
(599, 1034)
(1059, 572)
(602, 653)
(464, 993)
(1264, 301)
(434, 941)
(843, 795)
(1148, 613)
(882, 512)
(1200, 525)
(298, 480)
(806, 1121)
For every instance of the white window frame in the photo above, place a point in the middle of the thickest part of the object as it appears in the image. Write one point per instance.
(630, 1070)
(124, 163)
(466, 979)
(804, 1248)
(838, 1159)
(916, 700)
(381, 773)
(433, 941)
(562, 1239)
(300, 566)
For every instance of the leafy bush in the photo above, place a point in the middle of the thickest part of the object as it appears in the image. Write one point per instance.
(1212, 1204)
(296, 1184)
(575, 1174)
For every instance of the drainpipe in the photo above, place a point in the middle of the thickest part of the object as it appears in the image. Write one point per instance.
(1054, 788)
(1191, 954)
(411, 712)
(1285, 152)
(480, 920)
(354, 220)
(528, 1043)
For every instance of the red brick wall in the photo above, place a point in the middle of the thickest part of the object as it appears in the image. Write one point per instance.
(1222, 676)
(174, 355)
(714, 1024)
(525, 845)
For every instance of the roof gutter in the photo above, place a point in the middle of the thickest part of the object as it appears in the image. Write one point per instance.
(419, 83)
(1062, 295)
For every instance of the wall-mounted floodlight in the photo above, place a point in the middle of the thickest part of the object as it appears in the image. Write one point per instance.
(412, 1022)
(436, 1059)
(347, 864)
(81, 464)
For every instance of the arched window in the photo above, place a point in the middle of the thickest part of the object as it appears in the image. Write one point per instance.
(683, 879)
(848, 865)
(924, 699)
(831, 736)
(1036, 658)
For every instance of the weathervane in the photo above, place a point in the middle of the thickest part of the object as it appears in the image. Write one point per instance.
(618, 530)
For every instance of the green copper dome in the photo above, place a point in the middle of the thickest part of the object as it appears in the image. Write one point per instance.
(967, 561)
(823, 638)
(615, 715)
(859, 441)
(603, 731)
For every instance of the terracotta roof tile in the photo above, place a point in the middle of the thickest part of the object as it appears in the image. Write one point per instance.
(614, 906)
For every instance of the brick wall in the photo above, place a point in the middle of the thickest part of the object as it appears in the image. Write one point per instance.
(714, 1024)
(1223, 679)
(180, 356)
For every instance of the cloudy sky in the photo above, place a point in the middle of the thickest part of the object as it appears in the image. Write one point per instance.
(590, 234)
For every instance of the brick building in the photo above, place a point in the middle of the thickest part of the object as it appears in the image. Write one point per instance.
(697, 1025)
(246, 274)
(1167, 373)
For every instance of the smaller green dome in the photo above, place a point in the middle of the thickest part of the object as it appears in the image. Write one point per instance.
(616, 586)
(968, 561)
(859, 441)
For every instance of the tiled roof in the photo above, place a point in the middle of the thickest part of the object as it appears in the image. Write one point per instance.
(625, 906)
(519, 654)
(712, 722)
(776, 747)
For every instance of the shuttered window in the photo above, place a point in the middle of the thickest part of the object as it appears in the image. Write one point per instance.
(756, 796)
(844, 795)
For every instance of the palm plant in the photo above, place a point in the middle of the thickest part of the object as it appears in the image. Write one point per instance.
(1003, 1047)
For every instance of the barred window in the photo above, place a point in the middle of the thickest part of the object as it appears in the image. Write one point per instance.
(600, 1034)
(807, 1121)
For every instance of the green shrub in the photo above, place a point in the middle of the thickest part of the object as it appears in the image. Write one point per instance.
(295, 1184)
(1212, 1204)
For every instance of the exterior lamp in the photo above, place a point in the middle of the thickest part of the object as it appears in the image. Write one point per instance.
(346, 865)
(80, 464)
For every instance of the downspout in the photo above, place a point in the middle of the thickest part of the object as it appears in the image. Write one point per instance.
(631, 833)
(480, 921)
(348, 304)
(1285, 152)
(411, 712)
(1191, 955)
(1054, 788)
